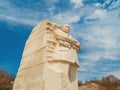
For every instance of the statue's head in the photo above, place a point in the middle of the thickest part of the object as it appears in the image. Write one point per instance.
(66, 28)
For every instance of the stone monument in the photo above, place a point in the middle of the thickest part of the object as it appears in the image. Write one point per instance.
(49, 60)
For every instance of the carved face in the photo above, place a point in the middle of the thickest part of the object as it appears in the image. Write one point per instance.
(66, 28)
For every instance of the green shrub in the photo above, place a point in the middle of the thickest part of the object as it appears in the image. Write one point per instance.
(4, 88)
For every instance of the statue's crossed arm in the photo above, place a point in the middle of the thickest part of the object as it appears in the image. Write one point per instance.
(60, 35)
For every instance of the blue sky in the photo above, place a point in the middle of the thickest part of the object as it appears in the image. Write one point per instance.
(95, 23)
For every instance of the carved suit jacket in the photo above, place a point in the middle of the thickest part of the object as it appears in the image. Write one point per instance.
(66, 48)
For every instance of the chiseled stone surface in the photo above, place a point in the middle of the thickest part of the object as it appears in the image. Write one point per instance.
(49, 60)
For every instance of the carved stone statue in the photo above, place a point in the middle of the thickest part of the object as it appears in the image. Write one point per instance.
(50, 59)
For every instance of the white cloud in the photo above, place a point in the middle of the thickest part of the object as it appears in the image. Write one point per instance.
(66, 18)
(91, 57)
(103, 39)
(98, 14)
(101, 42)
(115, 4)
(103, 33)
(23, 21)
(98, 5)
(107, 2)
(111, 55)
(78, 3)
(31, 16)
(71, 16)
(110, 4)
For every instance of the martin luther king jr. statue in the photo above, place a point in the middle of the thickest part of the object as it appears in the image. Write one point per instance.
(50, 59)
